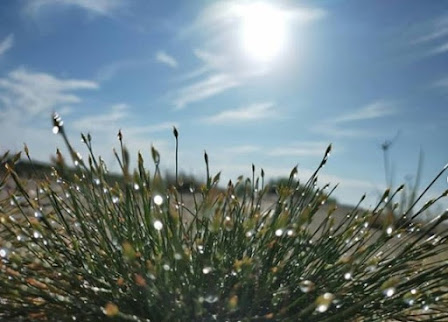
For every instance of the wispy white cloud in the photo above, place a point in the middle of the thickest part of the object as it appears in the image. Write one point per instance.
(164, 58)
(252, 112)
(105, 120)
(205, 88)
(109, 71)
(221, 15)
(241, 149)
(27, 99)
(334, 130)
(443, 48)
(30, 93)
(442, 83)
(432, 37)
(6, 44)
(371, 111)
(100, 7)
(341, 126)
(223, 64)
(115, 117)
(301, 149)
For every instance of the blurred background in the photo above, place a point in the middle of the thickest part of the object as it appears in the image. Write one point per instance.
(264, 82)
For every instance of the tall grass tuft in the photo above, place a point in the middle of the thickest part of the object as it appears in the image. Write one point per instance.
(79, 247)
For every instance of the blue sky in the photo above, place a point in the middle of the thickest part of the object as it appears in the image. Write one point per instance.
(276, 93)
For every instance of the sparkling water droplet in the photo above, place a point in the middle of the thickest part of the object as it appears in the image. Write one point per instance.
(115, 199)
(306, 286)
(390, 291)
(158, 225)
(96, 181)
(37, 234)
(409, 301)
(410, 297)
(206, 270)
(177, 256)
(166, 267)
(228, 224)
(158, 200)
(290, 232)
(55, 129)
(3, 252)
(389, 230)
(249, 233)
(37, 214)
(279, 232)
(323, 302)
(136, 186)
(348, 276)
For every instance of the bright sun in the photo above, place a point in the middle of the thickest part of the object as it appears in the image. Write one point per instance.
(263, 31)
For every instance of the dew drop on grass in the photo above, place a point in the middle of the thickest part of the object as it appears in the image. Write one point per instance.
(348, 276)
(228, 224)
(37, 234)
(324, 302)
(306, 286)
(55, 129)
(206, 270)
(115, 199)
(96, 181)
(389, 230)
(410, 297)
(279, 232)
(136, 186)
(177, 256)
(158, 225)
(390, 291)
(158, 200)
(166, 267)
(37, 214)
(3, 252)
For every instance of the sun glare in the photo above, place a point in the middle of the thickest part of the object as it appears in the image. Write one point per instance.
(263, 31)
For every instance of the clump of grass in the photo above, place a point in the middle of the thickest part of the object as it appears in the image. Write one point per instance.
(87, 249)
